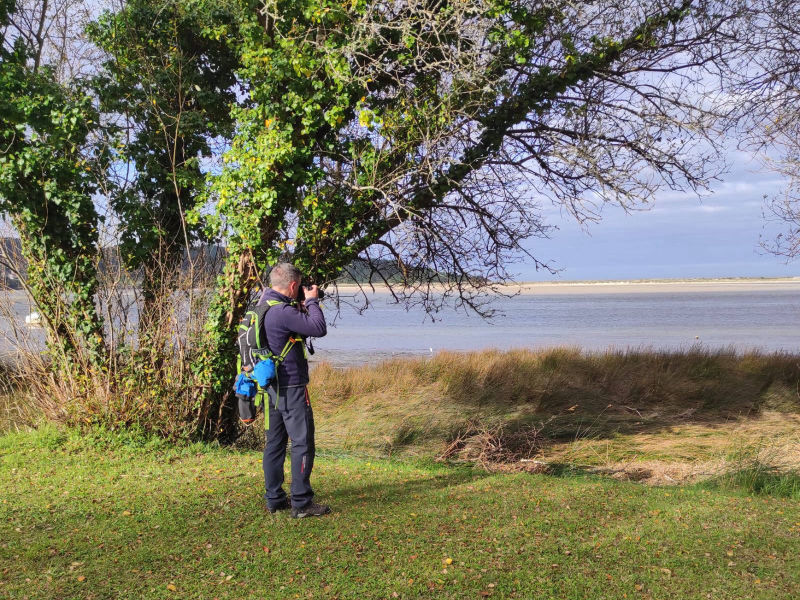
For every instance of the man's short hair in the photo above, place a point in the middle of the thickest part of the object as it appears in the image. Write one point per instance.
(283, 274)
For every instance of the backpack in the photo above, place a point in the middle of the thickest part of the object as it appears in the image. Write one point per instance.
(257, 364)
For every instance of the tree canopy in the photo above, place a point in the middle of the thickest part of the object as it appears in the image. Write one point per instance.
(46, 187)
(166, 86)
(429, 133)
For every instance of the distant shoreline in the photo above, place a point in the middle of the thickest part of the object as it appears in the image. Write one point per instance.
(739, 284)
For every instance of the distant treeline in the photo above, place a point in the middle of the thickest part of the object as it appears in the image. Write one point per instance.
(208, 259)
(381, 271)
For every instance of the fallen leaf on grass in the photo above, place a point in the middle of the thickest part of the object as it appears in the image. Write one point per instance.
(81, 578)
(126, 513)
(171, 587)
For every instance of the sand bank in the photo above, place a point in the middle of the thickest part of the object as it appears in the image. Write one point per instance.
(678, 286)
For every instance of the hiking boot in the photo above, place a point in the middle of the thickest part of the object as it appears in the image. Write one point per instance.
(282, 505)
(311, 509)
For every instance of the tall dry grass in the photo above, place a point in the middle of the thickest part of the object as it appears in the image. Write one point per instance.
(16, 408)
(421, 406)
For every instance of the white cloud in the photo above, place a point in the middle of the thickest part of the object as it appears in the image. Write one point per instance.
(711, 208)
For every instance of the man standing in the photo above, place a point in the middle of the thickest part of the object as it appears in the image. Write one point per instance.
(289, 411)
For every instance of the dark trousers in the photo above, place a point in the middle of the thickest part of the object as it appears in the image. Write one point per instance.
(292, 419)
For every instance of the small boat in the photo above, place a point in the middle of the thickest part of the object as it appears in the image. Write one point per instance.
(33, 319)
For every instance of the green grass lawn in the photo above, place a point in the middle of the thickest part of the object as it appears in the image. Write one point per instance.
(91, 517)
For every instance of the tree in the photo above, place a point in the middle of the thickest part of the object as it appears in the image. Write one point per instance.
(166, 86)
(428, 133)
(46, 187)
(168, 80)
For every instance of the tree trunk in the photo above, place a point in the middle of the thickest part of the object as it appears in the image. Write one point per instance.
(215, 367)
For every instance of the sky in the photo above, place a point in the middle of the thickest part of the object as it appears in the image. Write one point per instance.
(681, 236)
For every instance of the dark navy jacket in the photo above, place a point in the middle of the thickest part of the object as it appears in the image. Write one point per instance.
(283, 320)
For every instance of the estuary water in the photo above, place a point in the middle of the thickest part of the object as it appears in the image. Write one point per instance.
(739, 315)
(743, 315)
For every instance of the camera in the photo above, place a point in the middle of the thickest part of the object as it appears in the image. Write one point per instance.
(301, 293)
